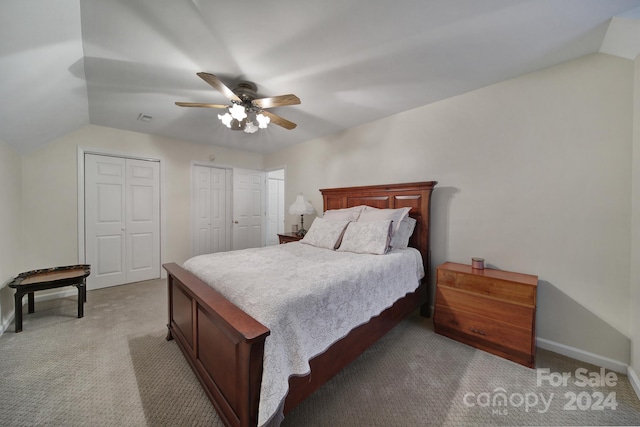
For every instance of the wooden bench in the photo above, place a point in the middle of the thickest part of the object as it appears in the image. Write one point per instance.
(50, 278)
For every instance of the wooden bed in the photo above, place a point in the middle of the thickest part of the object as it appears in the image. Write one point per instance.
(225, 345)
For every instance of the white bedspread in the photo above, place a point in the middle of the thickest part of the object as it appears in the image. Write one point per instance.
(308, 297)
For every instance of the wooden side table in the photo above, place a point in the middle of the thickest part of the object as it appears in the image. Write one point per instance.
(50, 278)
(289, 237)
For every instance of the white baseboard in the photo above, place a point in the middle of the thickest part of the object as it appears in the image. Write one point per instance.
(633, 379)
(5, 325)
(583, 356)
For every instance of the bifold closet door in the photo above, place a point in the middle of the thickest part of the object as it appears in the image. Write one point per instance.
(211, 226)
(122, 220)
(249, 212)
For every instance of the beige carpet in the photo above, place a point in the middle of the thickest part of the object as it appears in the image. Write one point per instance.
(114, 368)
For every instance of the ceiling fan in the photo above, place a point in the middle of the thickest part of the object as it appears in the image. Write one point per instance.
(246, 108)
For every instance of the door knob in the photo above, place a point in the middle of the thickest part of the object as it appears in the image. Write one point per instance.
(235, 222)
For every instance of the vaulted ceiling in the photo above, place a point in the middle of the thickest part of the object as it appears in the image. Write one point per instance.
(68, 63)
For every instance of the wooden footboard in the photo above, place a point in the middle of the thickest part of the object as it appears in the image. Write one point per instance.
(223, 345)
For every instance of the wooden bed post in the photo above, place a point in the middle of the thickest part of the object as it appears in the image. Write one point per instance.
(169, 337)
(223, 345)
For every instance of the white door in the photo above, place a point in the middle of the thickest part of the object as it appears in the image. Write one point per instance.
(142, 229)
(249, 209)
(211, 231)
(275, 210)
(105, 220)
(281, 206)
(122, 219)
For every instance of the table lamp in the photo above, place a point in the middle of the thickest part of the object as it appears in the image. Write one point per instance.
(301, 207)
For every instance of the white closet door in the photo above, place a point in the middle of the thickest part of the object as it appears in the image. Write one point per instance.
(201, 211)
(219, 206)
(210, 223)
(275, 210)
(281, 206)
(105, 220)
(142, 220)
(122, 219)
(249, 209)
(272, 214)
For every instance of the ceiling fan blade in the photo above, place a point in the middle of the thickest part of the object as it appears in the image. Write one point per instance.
(219, 86)
(197, 104)
(279, 120)
(276, 101)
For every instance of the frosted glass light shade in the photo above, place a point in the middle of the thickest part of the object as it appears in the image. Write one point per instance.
(250, 127)
(225, 119)
(238, 112)
(263, 121)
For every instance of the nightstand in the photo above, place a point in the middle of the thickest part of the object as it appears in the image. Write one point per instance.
(289, 237)
(492, 310)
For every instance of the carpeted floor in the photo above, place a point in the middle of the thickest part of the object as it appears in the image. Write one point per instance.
(114, 368)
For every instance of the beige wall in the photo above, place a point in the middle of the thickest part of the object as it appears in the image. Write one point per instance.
(534, 176)
(10, 226)
(634, 319)
(50, 190)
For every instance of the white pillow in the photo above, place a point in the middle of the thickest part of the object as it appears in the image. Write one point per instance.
(349, 214)
(374, 214)
(325, 233)
(400, 239)
(371, 237)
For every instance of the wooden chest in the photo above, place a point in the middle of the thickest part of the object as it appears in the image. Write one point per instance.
(491, 310)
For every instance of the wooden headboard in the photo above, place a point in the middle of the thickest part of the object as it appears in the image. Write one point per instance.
(416, 195)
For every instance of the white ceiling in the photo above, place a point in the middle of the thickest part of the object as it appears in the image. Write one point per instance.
(68, 63)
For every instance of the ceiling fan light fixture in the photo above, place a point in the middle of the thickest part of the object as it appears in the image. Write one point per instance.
(263, 120)
(250, 127)
(246, 107)
(238, 112)
(225, 119)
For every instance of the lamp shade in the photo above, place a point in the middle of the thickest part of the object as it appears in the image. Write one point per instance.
(301, 206)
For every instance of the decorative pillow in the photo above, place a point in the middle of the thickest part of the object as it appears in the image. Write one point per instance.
(400, 239)
(367, 237)
(349, 214)
(374, 214)
(325, 233)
